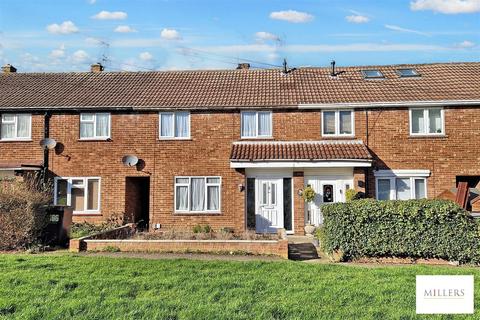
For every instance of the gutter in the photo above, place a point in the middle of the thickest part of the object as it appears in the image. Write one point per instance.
(433, 103)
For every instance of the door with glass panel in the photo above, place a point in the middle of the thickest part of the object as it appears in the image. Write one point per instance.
(269, 205)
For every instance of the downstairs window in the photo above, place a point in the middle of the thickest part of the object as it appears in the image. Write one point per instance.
(82, 194)
(197, 194)
(401, 184)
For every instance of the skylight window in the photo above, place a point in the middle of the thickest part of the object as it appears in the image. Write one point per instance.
(408, 72)
(372, 74)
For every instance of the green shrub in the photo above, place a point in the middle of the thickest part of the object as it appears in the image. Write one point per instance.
(413, 228)
(351, 194)
(83, 229)
(202, 229)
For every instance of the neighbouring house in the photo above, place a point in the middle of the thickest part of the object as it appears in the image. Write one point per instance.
(235, 148)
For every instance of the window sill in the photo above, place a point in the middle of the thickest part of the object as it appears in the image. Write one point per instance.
(95, 139)
(428, 136)
(83, 213)
(175, 139)
(197, 213)
(351, 136)
(16, 140)
(256, 138)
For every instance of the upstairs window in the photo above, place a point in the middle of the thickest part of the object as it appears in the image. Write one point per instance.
(407, 73)
(427, 121)
(174, 125)
(372, 74)
(16, 126)
(95, 126)
(256, 124)
(337, 123)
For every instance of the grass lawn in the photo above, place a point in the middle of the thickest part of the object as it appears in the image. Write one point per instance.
(70, 286)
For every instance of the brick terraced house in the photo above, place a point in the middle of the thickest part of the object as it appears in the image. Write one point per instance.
(234, 148)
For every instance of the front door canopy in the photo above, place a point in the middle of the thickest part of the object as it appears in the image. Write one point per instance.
(300, 154)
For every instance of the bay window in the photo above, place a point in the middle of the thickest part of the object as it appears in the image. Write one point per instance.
(82, 194)
(401, 184)
(337, 123)
(95, 126)
(256, 124)
(197, 194)
(174, 125)
(16, 126)
(427, 121)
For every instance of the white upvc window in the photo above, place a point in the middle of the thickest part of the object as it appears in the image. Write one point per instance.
(427, 121)
(80, 193)
(95, 126)
(401, 184)
(256, 124)
(197, 194)
(338, 123)
(16, 126)
(174, 125)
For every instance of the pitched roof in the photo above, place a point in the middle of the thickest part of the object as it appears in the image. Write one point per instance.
(299, 151)
(237, 88)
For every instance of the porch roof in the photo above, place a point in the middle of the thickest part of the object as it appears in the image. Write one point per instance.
(299, 151)
(21, 165)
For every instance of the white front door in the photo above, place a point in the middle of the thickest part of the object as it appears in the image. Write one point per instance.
(269, 205)
(327, 190)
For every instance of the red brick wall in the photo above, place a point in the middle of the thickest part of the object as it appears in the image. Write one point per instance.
(207, 153)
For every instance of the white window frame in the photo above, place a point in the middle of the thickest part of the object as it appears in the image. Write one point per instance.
(15, 122)
(256, 136)
(337, 124)
(85, 186)
(189, 211)
(392, 175)
(172, 137)
(426, 124)
(94, 121)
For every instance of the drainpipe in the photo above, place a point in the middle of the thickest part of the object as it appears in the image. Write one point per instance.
(366, 143)
(46, 134)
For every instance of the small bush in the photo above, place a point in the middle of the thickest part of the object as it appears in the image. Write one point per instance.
(23, 207)
(111, 249)
(351, 194)
(84, 229)
(202, 229)
(413, 228)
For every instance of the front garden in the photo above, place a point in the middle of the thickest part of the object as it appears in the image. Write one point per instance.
(53, 286)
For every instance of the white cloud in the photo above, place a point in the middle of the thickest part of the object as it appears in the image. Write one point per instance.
(292, 16)
(58, 53)
(93, 41)
(145, 56)
(465, 44)
(80, 56)
(262, 36)
(110, 15)
(92, 1)
(356, 18)
(401, 29)
(447, 6)
(170, 34)
(65, 27)
(124, 29)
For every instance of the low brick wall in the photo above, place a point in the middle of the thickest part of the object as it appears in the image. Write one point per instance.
(256, 247)
(101, 241)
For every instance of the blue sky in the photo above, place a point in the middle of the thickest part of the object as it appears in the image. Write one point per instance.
(68, 35)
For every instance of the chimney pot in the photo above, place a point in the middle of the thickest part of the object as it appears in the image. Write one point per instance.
(245, 66)
(8, 68)
(96, 68)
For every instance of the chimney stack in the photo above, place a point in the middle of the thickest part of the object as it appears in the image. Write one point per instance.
(96, 68)
(245, 66)
(8, 68)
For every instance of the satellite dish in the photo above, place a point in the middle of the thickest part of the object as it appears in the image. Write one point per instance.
(48, 143)
(129, 160)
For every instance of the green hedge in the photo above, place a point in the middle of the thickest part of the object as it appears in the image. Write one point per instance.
(413, 228)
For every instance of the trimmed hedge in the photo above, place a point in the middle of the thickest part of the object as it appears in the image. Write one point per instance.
(414, 228)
